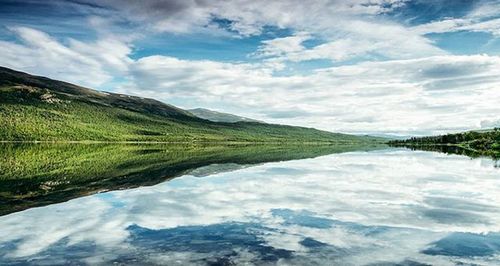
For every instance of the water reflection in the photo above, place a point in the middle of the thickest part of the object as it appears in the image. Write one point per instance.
(450, 149)
(40, 174)
(390, 207)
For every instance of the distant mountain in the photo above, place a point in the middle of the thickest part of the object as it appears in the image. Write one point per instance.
(386, 136)
(36, 108)
(219, 116)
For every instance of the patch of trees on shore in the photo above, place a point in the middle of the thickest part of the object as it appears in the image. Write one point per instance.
(485, 142)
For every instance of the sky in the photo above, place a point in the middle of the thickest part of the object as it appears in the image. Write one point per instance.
(398, 67)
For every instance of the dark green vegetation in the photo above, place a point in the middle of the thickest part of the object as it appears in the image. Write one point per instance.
(40, 109)
(39, 174)
(472, 143)
(220, 117)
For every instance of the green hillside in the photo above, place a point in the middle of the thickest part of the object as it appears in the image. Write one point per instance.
(40, 109)
(471, 143)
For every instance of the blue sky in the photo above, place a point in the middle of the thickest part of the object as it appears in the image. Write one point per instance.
(358, 66)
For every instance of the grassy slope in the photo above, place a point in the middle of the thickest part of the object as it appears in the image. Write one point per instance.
(40, 174)
(472, 143)
(40, 109)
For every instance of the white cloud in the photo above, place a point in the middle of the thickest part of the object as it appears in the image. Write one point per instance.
(283, 46)
(488, 124)
(491, 26)
(83, 63)
(349, 38)
(441, 26)
(424, 95)
(338, 22)
(247, 17)
(485, 10)
(483, 18)
(453, 25)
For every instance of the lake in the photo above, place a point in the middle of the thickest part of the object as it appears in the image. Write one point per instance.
(251, 205)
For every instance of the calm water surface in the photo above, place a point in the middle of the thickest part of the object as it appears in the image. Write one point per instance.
(385, 207)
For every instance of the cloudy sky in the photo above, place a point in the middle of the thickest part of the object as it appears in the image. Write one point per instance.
(358, 66)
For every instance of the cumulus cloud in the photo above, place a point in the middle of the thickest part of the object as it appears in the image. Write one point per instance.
(338, 23)
(358, 38)
(84, 63)
(425, 94)
(246, 17)
(283, 46)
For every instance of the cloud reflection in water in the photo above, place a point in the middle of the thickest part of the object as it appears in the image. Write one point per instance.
(393, 207)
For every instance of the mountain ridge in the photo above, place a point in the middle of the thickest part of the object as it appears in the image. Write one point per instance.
(13, 77)
(216, 116)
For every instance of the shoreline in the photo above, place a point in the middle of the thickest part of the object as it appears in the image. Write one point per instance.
(187, 142)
